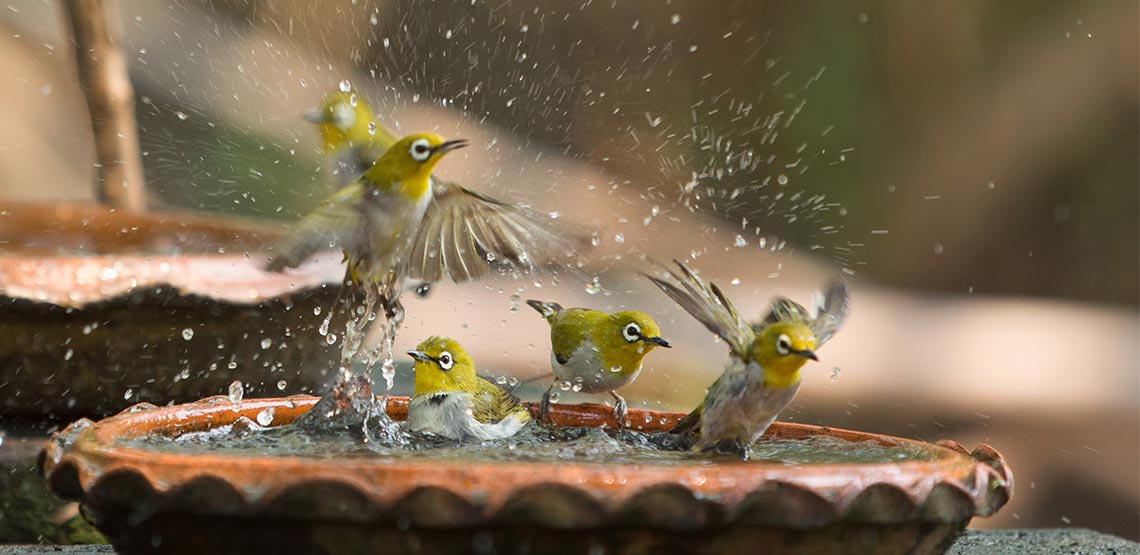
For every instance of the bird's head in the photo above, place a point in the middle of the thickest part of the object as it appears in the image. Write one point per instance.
(343, 118)
(442, 366)
(412, 158)
(626, 337)
(782, 349)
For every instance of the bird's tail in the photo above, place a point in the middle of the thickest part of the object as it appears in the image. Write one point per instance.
(690, 425)
(546, 309)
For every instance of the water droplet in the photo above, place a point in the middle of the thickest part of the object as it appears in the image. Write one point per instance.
(594, 287)
(374, 20)
(741, 242)
(675, 19)
(330, 339)
(576, 388)
(70, 353)
(345, 86)
(834, 374)
(281, 385)
(782, 179)
(501, 380)
(515, 302)
(316, 311)
(128, 394)
(188, 334)
(231, 365)
(265, 417)
(323, 329)
(447, 35)
(371, 128)
(236, 391)
(564, 385)
(266, 343)
(555, 397)
(595, 239)
(181, 115)
(619, 238)
(615, 369)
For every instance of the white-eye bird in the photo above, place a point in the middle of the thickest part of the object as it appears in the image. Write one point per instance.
(351, 136)
(450, 400)
(597, 352)
(396, 223)
(762, 374)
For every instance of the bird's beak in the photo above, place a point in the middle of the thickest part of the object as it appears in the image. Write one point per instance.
(659, 341)
(419, 355)
(316, 115)
(808, 353)
(448, 146)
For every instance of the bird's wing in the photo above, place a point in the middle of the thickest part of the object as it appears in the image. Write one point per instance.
(569, 328)
(832, 308)
(708, 305)
(336, 223)
(492, 403)
(465, 235)
(690, 424)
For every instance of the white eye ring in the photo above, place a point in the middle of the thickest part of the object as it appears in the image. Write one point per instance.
(631, 332)
(343, 116)
(420, 150)
(445, 360)
(783, 345)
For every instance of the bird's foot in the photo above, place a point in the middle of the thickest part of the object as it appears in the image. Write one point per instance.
(619, 409)
(544, 407)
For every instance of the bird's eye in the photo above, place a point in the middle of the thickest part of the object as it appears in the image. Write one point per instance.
(343, 116)
(631, 332)
(420, 150)
(445, 361)
(783, 345)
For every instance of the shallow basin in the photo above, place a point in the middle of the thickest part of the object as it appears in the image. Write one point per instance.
(150, 501)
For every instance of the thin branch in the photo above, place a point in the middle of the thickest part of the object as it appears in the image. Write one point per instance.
(102, 69)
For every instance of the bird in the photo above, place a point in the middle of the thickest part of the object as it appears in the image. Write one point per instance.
(394, 222)
(450, 400)
(762, 373)
(596, 352)
(351, 136)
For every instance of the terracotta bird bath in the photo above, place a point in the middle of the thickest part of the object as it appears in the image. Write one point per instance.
(148, 501)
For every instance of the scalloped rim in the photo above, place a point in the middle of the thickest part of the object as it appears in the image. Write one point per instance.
(81, 460)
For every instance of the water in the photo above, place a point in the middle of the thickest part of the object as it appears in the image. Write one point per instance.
(536, 443)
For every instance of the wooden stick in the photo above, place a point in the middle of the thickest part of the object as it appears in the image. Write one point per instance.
(103, 76)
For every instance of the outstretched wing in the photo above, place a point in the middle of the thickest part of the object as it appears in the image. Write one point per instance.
(465, 235)
(832, 308)
(708, 305)
(336, 223)
(828, 312)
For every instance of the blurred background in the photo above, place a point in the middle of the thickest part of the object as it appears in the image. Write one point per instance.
(972, 167)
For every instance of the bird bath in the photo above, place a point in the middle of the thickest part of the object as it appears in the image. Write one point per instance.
(149, 500)
(102, 309)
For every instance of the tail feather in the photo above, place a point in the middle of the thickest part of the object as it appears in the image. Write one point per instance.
(689, 425)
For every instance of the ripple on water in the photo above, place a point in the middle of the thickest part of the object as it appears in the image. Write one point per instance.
(535, 443)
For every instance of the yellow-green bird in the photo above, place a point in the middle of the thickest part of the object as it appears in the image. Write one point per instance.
(396, 223)
(351, 136)
(597, 352)
(450, 400)
(763, 370)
